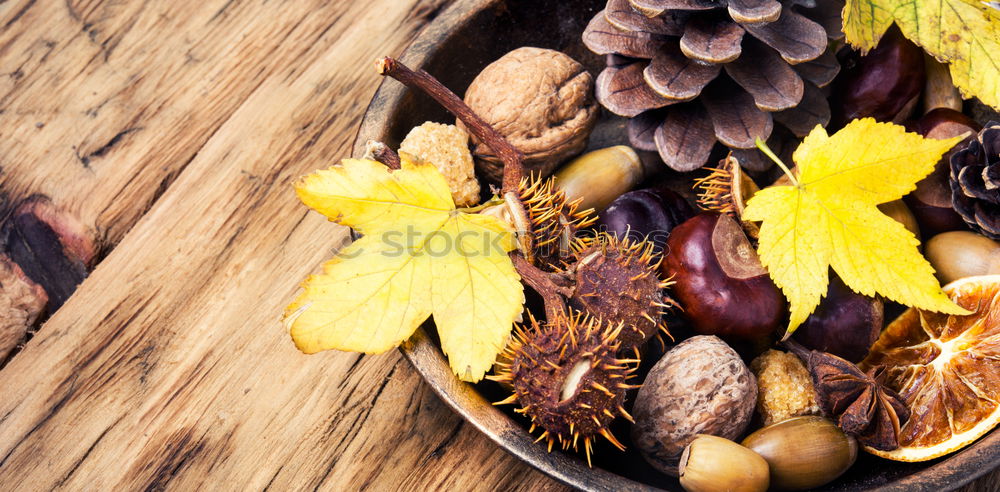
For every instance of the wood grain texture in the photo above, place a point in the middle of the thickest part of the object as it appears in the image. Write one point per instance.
(174, 129)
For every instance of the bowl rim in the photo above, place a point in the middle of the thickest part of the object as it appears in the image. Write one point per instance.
(957, 470)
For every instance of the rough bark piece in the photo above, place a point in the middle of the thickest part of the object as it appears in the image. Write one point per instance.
(772, 82)
(820, 71)
(796, 38)
(624, 92)
(685, 138)
(603, 38)
(675, 76)
(812, 110)
(754, 11)
(621, 14)
(735, 118)
(712, 40)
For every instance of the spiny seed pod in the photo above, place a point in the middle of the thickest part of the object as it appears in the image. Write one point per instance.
(726, 190)
(555, 221)
(617, 281)
(568, 379)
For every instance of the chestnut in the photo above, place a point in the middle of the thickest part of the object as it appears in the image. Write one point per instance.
(719, 280)
(930, 202)
(645, 214)
(845, 324)
(885, 84)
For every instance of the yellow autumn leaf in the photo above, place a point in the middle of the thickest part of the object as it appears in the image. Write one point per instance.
(828, 218)
(418, 256)
(963, 33)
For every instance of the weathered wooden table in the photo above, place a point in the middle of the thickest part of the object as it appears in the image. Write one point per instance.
(173, 129)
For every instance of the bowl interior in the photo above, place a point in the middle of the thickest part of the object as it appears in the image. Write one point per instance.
(454, 48)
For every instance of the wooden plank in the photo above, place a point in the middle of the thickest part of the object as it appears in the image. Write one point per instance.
(168, 366)
(104, 103)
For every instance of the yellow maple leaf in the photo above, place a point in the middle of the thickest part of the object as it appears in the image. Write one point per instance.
(828, 218)
(418, 256)
(963, 33)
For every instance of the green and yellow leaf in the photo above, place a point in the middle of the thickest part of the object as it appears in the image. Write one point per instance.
(965, 34)
(828, 218)
(419, 256)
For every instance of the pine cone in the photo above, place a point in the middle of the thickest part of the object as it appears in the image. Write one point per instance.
(693, 72)
(975, 181)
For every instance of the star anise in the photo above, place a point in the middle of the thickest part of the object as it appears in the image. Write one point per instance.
(856, 401)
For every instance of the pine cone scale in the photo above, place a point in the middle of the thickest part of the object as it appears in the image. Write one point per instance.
(712, 41)
(623, 91)
(737, 121)
(686, 137)
(795, 37)
(754, 11)
(775, 86)
(674, 76)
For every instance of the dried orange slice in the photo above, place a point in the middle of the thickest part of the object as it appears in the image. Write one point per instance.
(946, 368)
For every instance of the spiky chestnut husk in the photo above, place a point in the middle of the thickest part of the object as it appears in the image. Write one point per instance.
(726, 190)
(617, 281)
(555, 222)
(568, 379)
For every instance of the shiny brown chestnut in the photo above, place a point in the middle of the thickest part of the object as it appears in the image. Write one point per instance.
(845, 324)
(719, 280)
(930, 202)
(885, 84)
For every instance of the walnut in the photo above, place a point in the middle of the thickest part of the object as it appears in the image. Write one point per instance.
(541, 100)
(447, 147)
(700, 387)
(785, 387)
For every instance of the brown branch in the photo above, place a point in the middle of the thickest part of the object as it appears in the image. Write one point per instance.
(542, 283)
(381, 152)
(513, 159)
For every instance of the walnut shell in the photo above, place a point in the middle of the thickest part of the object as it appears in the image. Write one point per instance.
(700, 387)
(541, 100)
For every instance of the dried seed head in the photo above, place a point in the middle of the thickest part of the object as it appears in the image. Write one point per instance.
(568, 379)
(726, 190)
(555, 222)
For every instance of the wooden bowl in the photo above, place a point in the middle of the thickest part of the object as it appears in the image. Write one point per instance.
(454, 47)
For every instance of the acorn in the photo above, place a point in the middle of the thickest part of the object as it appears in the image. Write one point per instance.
(568, 379)
(803, 452)
(617, 281)
(959, 254)
(719, 281)
(599, 176)
(713, 464)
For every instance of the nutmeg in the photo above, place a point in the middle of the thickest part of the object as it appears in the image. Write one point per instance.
(541, 100)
